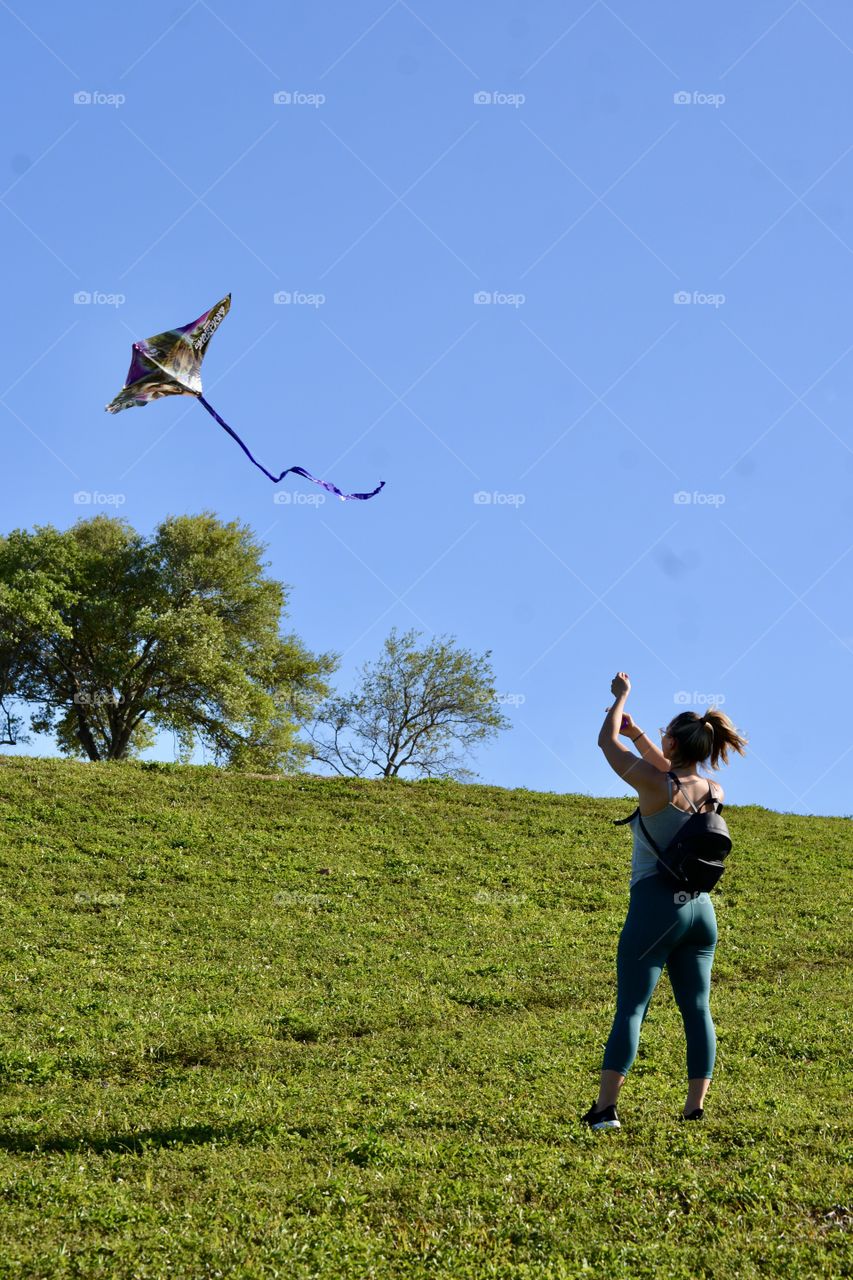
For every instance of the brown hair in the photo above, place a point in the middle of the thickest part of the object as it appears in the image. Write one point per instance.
(700, 737)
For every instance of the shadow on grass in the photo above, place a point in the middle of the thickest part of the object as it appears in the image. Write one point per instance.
(138, 1141)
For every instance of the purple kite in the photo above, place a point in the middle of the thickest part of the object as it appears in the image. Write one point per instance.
(169, 364)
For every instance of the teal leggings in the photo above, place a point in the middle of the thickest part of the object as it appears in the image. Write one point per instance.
(660, 930)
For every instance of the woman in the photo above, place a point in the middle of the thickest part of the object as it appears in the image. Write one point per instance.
(663, 927)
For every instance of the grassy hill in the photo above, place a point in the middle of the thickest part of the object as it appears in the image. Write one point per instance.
(302, 1027)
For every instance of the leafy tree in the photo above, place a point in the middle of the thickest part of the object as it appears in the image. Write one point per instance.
(414, 708)
(109, 635)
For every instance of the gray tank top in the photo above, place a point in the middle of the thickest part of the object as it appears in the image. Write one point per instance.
(661, 826)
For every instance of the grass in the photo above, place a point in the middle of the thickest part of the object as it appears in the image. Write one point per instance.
(304, 1027)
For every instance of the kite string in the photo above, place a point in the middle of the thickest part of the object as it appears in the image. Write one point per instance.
(326, 484)
(233, 434)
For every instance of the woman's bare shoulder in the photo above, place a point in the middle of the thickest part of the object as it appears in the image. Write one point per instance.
(653, 792)
(717, 788)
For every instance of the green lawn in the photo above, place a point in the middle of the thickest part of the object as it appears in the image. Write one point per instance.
(302, 1027)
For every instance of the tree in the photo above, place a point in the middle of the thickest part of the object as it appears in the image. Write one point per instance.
(414, 708)
(109, 636)
(11, 724)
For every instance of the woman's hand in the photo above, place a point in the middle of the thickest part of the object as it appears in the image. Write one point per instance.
(620, 685)
(628, 728)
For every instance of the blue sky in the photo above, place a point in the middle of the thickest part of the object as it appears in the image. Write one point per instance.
(654, 399)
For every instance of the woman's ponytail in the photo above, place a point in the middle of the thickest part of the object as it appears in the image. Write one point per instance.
(706, 738)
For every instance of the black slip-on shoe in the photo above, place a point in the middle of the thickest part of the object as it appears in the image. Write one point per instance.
(694, 1115)
(604, 1119)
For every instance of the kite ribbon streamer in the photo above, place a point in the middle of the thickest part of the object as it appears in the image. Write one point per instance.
(300, 471)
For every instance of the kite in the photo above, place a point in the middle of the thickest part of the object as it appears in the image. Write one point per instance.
(169, 364)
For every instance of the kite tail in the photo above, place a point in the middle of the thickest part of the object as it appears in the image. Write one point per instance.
(300, 471)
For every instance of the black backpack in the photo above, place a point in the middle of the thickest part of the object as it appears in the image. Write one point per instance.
(693, 859)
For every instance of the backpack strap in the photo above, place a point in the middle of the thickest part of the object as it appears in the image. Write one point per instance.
(646, 834)
(710, 798)
(621, 822)
(671, 774)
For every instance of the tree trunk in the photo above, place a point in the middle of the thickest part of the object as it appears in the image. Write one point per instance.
(121, 734)
(84, 733)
